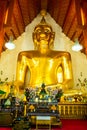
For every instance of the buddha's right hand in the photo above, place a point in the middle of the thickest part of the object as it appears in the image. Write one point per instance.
(19, 85)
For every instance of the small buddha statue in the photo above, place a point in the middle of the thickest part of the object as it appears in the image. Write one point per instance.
(43, 92)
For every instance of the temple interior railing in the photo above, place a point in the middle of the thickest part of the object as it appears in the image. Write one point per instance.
(72, 110)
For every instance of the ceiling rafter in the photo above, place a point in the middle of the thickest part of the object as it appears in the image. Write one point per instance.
(59, 10)
(73, 36)
(81, 37)
(23, 6)
(44, 4)
(20, 15)
(28, 11)
(13, 33)
(6, 36)
(37, 7)
(56, 6)
(51, 7)
(63, 12)
(69, 16)
(32, 10)
(71, 25)
(78, 32)
(16, 24)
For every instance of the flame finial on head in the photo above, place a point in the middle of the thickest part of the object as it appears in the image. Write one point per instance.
(43, 13)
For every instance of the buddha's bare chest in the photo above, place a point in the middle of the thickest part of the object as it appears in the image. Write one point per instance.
(43, 63)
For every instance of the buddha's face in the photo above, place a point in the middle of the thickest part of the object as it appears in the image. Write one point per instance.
(42, 35)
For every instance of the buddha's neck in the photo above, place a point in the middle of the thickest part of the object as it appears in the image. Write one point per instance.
(43, 46)
(44, 49)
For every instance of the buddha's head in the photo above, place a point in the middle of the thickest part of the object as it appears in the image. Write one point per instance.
(43, 34)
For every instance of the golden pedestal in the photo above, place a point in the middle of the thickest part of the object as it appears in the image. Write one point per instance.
(43, 120)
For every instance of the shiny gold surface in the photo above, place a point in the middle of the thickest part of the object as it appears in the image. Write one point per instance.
(51, 67)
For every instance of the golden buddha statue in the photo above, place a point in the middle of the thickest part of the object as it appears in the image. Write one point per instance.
(51, 67)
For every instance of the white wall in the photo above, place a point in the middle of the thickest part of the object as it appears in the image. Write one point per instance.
(8, 59)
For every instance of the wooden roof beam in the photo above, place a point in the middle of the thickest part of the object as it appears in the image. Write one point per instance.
(16, 24)
(44, 4)
(20, 14)
(69, 14)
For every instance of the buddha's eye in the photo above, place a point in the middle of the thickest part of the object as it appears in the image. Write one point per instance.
(46, 30)
(39, 30)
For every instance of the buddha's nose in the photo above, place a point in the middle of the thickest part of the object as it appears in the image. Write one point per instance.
(42, 35)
